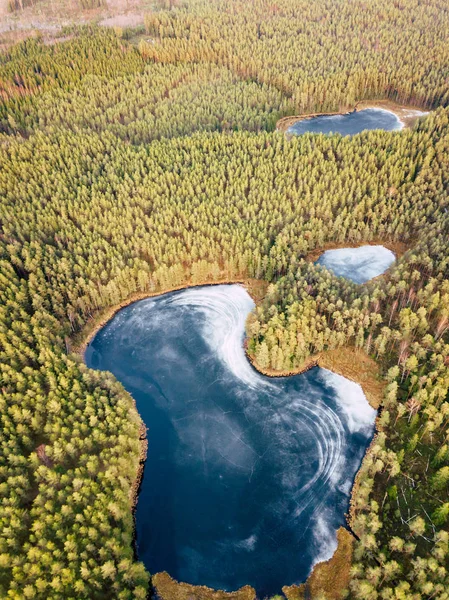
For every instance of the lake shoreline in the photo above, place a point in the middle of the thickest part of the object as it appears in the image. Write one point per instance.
(407, 115)
(333, 360)
(168, 588)
(84, 337)
(341, 362)
(398, 248)
(329, 577)
(81, 341)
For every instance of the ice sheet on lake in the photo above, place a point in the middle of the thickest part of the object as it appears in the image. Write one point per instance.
(358, 264)
(359, 415)
(411, 113)
(350, 123)
(253, 472)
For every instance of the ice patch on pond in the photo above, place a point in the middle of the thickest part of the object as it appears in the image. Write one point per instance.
(350, 397)
(224, 327)
(413, 113)
(325, 540)
(358, 264)
(249, 544)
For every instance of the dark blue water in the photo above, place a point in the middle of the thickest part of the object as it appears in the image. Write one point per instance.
(348, 124)
(247, 478)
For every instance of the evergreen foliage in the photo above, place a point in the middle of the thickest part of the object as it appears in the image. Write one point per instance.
(127, 171)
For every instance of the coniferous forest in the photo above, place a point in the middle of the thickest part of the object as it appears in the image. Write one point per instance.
(128, 169)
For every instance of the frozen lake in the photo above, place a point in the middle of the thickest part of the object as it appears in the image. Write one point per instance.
(350, 123)
(247, 477)
(358, 264)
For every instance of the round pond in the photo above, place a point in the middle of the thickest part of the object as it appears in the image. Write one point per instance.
(358, 264)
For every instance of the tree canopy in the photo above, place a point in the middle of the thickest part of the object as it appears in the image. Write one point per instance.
(129, 170)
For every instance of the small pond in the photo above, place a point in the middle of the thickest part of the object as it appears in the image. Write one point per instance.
(358, 264)
(349, 123)
(247, 477)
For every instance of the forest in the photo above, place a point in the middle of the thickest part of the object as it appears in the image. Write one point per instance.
(135, 168)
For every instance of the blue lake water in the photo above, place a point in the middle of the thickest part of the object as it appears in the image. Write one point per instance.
(358, 264)
(348, 124)
(247, 477)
